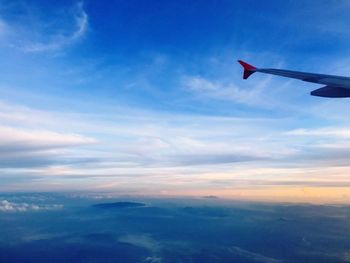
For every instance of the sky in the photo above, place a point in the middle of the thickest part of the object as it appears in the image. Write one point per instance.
(147, 98)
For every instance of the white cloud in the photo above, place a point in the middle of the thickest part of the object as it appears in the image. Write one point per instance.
(228, 91)
(249, 255)
(19, 138)
(147, 242)
(23, 144)
(7, 206)
(340, 132)
(144, 241)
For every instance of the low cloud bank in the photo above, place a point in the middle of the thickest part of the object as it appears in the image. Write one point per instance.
(7, 206)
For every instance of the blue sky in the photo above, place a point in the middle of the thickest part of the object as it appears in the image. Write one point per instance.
(146, 97)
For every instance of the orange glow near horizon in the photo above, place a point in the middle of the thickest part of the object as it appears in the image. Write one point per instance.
(317, 195)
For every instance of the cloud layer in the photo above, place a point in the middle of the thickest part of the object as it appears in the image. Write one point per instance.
(7, 206)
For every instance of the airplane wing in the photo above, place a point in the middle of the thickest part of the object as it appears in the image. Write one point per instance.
(336, 86)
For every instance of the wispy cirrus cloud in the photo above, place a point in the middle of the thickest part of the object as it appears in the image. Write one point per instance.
(3, 28)
(34, 33)
(62, 36)
(205, 87)
(341, 132)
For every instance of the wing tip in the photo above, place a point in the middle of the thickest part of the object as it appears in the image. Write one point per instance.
(248, 69)
(246, 66)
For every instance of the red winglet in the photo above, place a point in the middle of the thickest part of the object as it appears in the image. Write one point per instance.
(248, 69)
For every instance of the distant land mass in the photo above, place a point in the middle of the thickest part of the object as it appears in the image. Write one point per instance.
(210, 197)
(118, 205)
